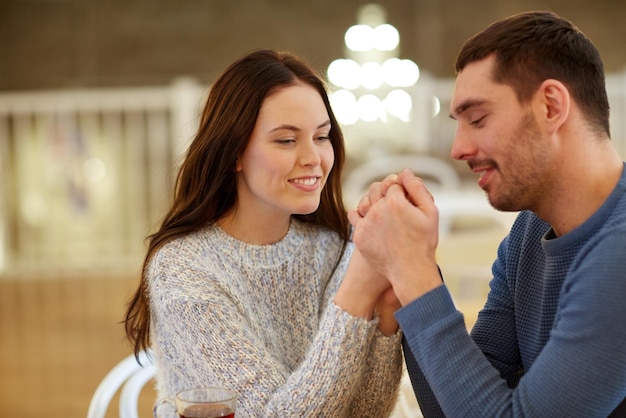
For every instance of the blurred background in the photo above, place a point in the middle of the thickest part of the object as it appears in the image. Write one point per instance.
(98, 100)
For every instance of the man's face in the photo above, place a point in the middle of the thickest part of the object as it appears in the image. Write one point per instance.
(500, 139)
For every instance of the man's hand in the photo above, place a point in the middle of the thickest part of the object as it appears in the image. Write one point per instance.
(396, 230)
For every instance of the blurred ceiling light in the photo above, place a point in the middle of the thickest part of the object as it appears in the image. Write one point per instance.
(408, 73)
(400, 73)
(344, 106)
(369, 108)
(341, 72)
(386, 37)
(399, 104)
(372, 64)
(436, 106)
(371, 75)
(359, 38)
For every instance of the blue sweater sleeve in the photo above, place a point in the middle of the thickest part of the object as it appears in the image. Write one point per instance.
(495, 328)
(578, 372)
(450, 361)
(425, 397)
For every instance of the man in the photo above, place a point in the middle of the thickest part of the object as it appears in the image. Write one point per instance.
(533, 123)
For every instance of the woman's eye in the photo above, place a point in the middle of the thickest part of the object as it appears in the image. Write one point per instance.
(323, 138)
(285, 140)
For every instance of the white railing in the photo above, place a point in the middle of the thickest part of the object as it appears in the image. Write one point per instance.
(86, 174)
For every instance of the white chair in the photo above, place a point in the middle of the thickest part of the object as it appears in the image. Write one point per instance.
(458, 204)
(128, 377)
(436, 173)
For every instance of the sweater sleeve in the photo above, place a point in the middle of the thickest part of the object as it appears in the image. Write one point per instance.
(377, 392)
(575, 374)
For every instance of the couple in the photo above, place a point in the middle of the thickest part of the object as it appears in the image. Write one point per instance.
(252, 281)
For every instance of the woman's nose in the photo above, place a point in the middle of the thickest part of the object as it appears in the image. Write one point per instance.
(309, 154)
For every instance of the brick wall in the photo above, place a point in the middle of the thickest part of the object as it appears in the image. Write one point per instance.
(92, 43)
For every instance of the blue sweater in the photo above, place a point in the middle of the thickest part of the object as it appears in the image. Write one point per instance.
(550, 340)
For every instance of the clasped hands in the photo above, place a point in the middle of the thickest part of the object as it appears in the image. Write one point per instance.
(396, 234)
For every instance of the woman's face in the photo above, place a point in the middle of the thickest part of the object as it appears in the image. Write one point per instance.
(289, 155)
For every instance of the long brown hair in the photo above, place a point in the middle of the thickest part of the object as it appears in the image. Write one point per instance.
(206, 182)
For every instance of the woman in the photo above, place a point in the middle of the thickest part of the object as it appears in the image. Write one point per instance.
(248, 284)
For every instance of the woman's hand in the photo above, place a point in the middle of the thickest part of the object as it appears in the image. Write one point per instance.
(361, 288)
(385, 309)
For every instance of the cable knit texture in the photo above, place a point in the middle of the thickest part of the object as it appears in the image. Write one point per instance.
(550, 341)
(260, 319)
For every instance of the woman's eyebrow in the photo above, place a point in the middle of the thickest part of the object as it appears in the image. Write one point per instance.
(284, 127)
(295, 128)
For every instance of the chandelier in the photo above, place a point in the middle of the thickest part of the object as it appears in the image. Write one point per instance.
(371, 83)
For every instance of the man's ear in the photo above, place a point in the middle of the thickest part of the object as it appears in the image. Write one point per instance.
(555, 104)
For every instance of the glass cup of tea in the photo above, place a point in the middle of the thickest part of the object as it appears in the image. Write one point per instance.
(198, 403)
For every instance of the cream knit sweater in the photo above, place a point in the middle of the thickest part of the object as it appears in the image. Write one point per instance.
(260, 320)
